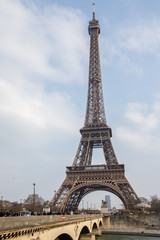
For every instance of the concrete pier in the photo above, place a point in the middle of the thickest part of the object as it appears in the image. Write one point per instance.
(106, 222)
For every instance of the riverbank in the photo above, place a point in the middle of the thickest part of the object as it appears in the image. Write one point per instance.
(133, 232)
(138, 225)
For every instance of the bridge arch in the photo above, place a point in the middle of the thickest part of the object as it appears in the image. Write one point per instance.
(64, 236)
(85, 230)
(94, 226)
(100, 224)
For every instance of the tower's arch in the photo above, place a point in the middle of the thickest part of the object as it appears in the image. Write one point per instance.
(74, 197)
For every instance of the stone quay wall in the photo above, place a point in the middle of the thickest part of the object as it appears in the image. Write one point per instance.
(135, 221)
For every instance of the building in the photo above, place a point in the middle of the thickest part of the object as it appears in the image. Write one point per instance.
(108, 200)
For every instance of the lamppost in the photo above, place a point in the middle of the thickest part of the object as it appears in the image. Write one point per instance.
(34, 197)
(1, 201)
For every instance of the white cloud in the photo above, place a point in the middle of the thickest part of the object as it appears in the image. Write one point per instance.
(132, 138)
(38, 47)
(115, 55)
(51, 110)
(42, 51)
(143, 37)
(143, 123)
(141, 115)
(33, 41)
(138, 37)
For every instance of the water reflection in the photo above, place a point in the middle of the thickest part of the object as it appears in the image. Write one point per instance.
(125, 237)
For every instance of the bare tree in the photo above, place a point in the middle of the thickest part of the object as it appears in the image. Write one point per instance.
(155, 203)
(36, 200)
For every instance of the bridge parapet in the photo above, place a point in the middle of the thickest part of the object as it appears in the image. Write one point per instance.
(49, 227)
(23, 221)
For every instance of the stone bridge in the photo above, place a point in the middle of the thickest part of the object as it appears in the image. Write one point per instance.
(54, 227)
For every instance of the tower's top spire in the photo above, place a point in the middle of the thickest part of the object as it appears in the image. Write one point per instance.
(95, 113)
(93, 11)
(93, 24)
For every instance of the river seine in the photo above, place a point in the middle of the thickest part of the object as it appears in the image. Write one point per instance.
(125, 237)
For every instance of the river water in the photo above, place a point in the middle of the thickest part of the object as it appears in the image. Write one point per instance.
(125, 237)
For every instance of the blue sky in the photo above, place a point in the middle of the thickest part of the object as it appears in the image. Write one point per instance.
(44, 56)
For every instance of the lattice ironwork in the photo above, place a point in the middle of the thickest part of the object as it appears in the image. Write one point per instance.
(83, 177)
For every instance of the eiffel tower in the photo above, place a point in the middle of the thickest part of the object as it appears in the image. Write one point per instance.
(83, 177)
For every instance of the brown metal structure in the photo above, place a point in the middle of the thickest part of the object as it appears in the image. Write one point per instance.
(83, 177)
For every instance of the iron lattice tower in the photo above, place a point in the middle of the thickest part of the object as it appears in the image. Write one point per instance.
(83, 177)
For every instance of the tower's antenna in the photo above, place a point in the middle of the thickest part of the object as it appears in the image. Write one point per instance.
(93, 10)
